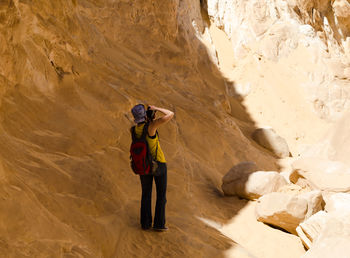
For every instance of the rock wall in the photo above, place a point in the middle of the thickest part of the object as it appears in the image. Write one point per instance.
(70, 71)
(277, 29)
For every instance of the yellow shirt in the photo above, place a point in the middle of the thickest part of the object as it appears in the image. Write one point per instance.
(152, 144)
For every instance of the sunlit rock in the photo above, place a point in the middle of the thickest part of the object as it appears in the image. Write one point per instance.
(270, 140)
(251, 185)
(322, 174)
(282, 210)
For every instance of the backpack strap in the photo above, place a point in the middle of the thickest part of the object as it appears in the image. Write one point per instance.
(157, 141)
(145, 131)
(143, 135)
(157, 150)
(133, 133)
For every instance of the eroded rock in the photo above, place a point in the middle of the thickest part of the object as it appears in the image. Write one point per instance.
(316, 228)
(338, 203)
(244, 181)
(321, 174)
(282, 210)
(270, 140)
(314, 200)
(310, 229)
(333, 239)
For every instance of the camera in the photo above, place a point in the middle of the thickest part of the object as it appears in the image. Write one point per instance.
(151, 114)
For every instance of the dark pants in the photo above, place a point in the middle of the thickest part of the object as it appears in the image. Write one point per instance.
(146, 200)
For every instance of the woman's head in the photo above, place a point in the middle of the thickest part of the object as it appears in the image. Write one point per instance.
(139, 113)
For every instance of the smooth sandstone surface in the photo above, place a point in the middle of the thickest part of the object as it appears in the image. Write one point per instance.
(253, 185)
(71, 70)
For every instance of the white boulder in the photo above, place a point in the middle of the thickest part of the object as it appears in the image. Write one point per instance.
(288, 210)
(328, 228)
(282, 210)
(314, 200)
(310, 229)
(322, 174)
(244, 181)
(338, 203)
(333, 240)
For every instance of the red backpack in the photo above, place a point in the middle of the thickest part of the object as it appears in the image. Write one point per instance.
(140, 156)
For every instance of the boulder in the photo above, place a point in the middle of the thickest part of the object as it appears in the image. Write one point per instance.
(333, 239)
(238, 171)
(243, 181)
(325, 228)
(338, 203)
(321, 174)
(342, 9)
(282, 210)
(314, 200)
(310, 229)
(268, 138)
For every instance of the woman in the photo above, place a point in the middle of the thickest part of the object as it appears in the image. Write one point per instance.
(140, 118)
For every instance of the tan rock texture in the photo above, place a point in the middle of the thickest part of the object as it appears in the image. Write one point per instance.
(296, 55)
(286, 209)
(338, 203)
(70, 71)
(322, 174)
(270, 140)
(335, 144)
(327, 227)
(282, 210)
(310, 229)
(333, 241)
(244, 181)
(315, 202)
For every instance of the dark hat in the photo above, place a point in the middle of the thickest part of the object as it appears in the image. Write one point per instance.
(139, 113)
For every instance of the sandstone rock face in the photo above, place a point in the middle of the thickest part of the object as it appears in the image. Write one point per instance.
(245, 22)
(282, 210)
(69, 73)
(244, 181)
(335, 145)
(270, 140)
(342, 12)
(278, 29)
(322, 174)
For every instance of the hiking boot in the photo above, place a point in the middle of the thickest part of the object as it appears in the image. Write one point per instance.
(160, 229)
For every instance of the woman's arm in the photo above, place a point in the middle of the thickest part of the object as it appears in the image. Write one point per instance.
(153, 126)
